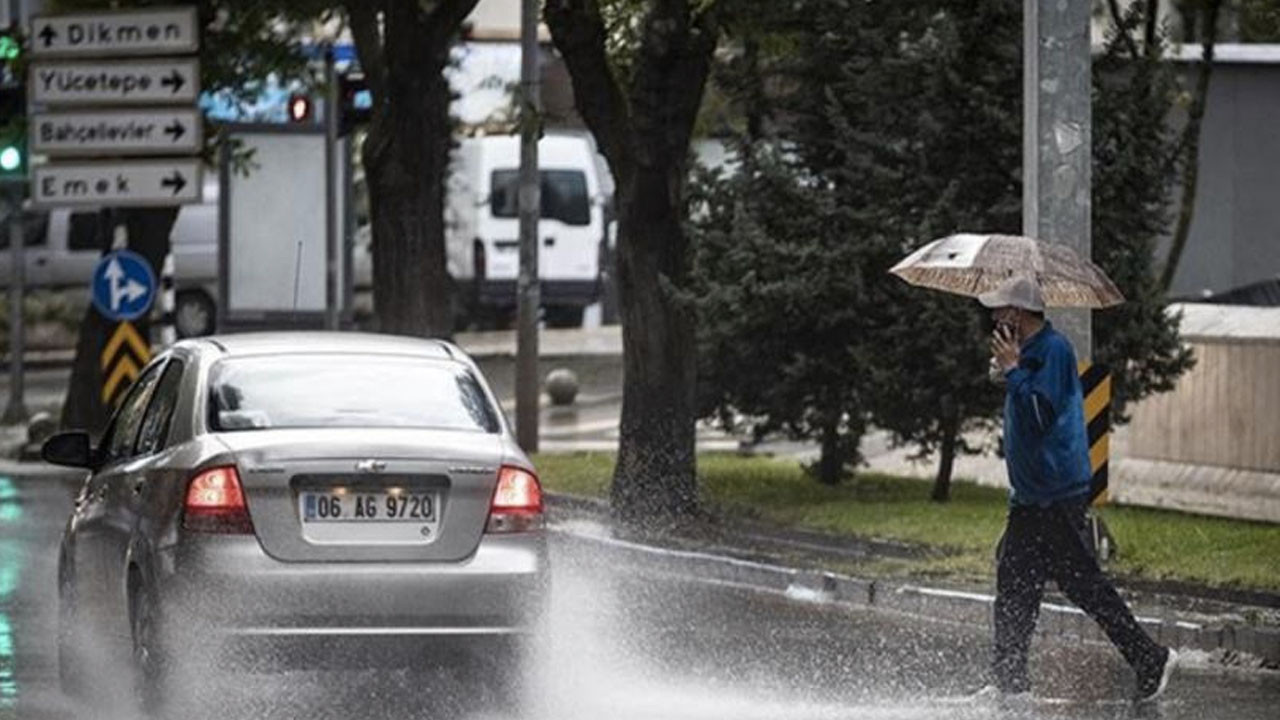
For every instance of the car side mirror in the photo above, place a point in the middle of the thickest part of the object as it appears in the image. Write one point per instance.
(72, 449)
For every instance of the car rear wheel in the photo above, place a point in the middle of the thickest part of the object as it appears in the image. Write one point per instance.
(151, 664)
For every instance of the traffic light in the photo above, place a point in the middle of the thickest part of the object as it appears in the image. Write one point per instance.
(13, 107)
(355, 102)
(300, 109)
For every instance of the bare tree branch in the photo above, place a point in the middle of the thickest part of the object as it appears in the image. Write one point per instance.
(579, 34)
(363, 16)
(1191, 138)
(1122, 27)
(447, 16)
(1151, 16)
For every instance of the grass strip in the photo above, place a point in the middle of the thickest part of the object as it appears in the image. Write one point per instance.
(1154, 544)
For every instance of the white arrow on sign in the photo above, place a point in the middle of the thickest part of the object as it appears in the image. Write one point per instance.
(117, 82)
(122, 288)
(117, 132)
(120, 184)
(165, 31)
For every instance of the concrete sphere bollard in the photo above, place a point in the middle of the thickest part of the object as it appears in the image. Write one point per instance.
(562, 385)
(40, 427)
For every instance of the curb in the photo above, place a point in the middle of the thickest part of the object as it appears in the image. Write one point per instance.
(1232, 644)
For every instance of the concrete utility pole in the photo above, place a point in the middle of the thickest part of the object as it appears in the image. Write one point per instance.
(530, 205)
(1057, 138)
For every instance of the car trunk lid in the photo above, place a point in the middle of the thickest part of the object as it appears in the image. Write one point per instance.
(367, 494)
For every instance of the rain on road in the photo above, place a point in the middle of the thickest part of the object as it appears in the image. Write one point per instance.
(626, 643)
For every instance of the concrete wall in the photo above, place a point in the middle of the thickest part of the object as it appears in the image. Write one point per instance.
(1235, 235)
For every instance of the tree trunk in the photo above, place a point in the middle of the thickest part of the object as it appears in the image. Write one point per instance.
(149, 230)
(1191, 145)
(831, 461)
(404, 49)
(946, 460)
(406, 161)
(654, 479)
(643, 127)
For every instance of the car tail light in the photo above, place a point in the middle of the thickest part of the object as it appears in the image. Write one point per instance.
(517, 502)
(215, 503)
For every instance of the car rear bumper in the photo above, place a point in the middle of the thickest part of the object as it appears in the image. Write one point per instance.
(226, 585)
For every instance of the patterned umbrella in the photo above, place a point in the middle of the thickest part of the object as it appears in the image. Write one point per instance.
(968, 264)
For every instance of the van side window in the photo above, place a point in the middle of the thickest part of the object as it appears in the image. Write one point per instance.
(564, 195)
(85, 231)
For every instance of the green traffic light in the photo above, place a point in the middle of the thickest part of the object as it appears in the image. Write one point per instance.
(10, 48)
(10, 159)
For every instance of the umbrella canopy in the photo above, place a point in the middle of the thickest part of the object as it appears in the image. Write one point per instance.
(970, 265)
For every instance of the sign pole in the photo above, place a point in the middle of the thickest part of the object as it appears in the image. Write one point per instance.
(330, 193)
(16, 410)
(528, 291)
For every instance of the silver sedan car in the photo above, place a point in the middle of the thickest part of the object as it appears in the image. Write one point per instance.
(276, 488)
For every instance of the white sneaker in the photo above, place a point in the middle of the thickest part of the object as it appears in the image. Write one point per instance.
(993, 695)
(1150, 686)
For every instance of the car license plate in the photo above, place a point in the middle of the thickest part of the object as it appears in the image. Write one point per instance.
(376, 506)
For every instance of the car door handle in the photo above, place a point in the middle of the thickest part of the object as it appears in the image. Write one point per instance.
(137, 487)
(42, 261)
(549, 241)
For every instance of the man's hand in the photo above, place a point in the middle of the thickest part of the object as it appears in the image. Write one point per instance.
(1004, 349)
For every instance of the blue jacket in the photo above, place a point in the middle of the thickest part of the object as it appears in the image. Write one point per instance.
(1045, 444)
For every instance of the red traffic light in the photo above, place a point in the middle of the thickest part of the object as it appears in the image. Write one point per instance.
(299, 108)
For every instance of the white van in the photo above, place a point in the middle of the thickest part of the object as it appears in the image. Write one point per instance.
(482, 227)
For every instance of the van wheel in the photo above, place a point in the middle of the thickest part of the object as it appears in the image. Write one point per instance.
(194, 314)
(564, 316)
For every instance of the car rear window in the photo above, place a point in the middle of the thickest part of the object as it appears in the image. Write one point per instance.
(355, 391)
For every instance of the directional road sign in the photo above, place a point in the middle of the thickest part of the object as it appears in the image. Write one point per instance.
(117, 132)
(123, 285)
(159, 31)
(117, 184)
(119, 82)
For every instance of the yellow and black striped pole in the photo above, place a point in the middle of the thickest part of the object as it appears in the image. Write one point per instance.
(1095, 380)
(124, 356)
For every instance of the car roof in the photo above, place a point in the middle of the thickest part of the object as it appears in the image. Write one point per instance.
(299, 342)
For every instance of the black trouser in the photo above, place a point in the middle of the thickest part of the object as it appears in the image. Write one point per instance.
(1052, 543)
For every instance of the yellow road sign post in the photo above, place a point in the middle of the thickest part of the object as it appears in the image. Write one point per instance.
(123, 357)
(1095, 381)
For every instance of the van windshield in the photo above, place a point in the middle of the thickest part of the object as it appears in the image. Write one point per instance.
(564, 195)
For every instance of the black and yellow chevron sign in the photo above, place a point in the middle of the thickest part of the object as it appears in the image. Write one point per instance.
(1096, 382)
(123, 358)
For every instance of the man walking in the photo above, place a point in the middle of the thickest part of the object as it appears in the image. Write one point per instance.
(1047, 458)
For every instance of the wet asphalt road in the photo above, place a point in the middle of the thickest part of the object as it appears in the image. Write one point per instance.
(625, 643)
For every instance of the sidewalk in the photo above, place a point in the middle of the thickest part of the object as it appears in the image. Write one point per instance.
(1241, 629)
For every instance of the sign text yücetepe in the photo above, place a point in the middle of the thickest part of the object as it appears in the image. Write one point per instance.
(122, 81)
